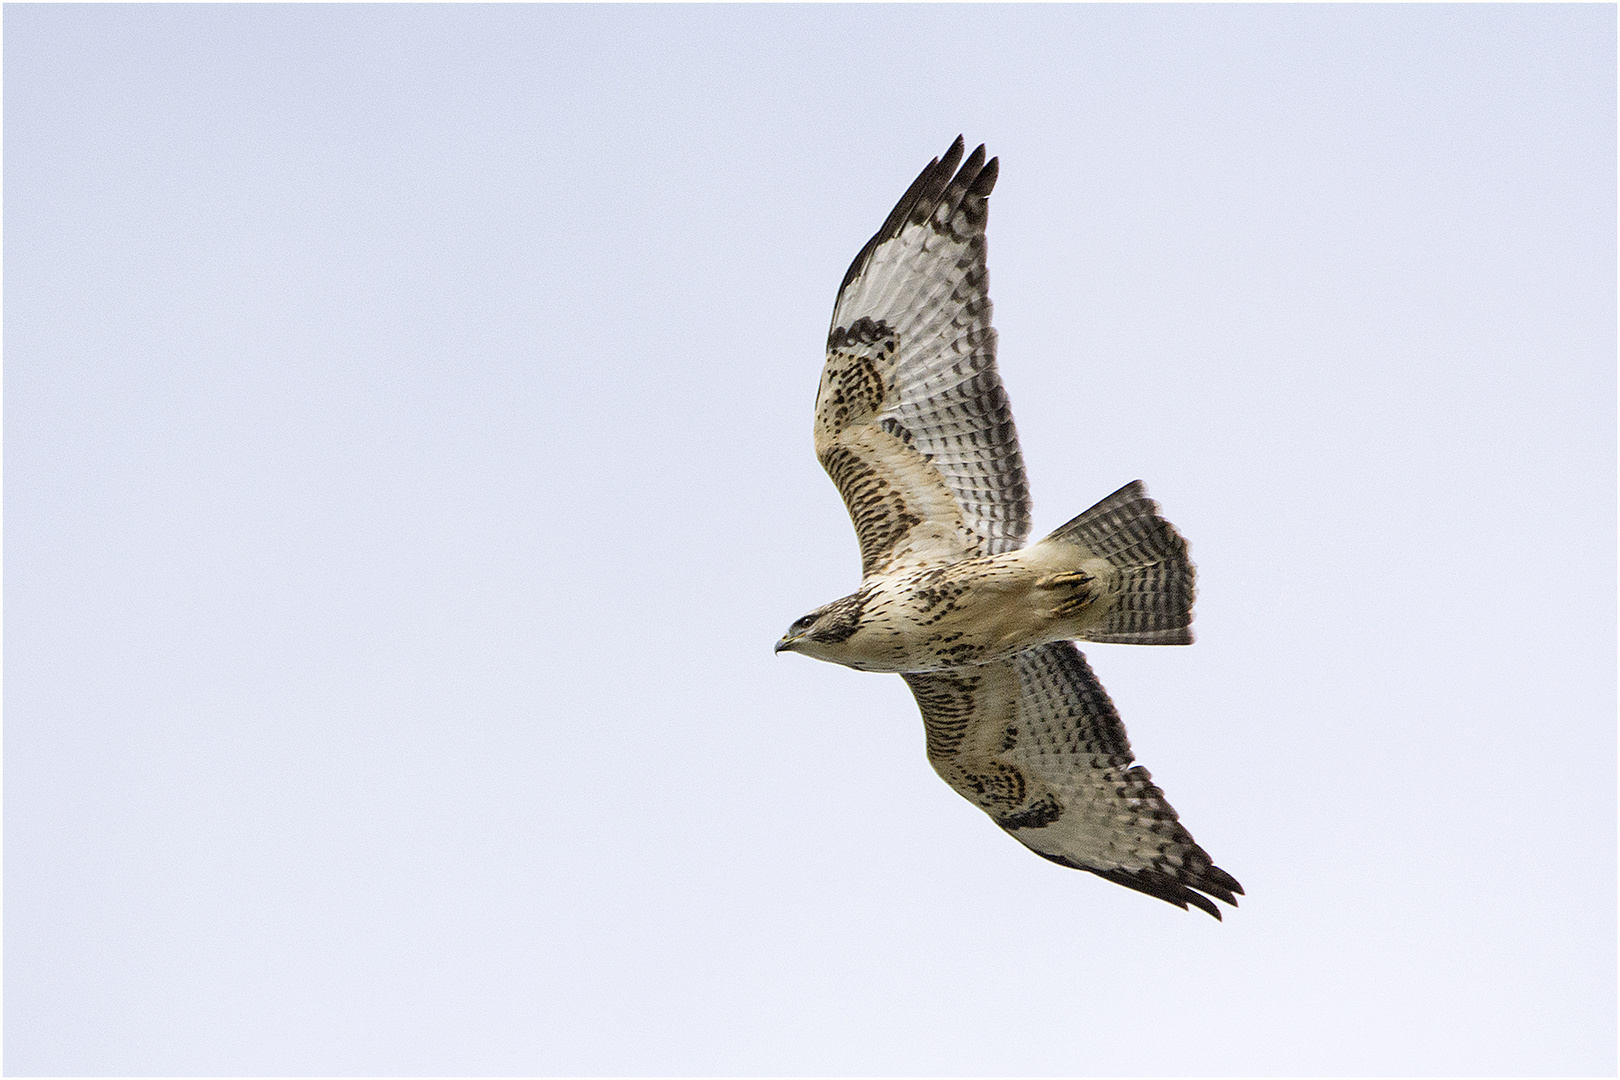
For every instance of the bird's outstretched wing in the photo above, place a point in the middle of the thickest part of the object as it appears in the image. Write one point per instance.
(1034, 742)
(912, 423)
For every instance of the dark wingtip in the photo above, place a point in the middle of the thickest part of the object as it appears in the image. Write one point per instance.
(987, 177)
(946, 166)
(975, 162)
(1227, 881)
(918, 191)
(918, 203)
(1164, 887)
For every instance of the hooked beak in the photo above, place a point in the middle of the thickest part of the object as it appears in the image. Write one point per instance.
(785, 645)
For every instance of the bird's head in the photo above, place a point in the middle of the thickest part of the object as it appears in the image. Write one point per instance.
(820, 633)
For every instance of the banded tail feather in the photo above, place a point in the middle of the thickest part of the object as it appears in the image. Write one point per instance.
(1153, 588)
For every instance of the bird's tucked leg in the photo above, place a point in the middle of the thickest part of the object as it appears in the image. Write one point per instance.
(1075, 591)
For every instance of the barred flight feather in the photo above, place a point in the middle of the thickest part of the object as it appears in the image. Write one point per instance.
(922, 280)
(1081, 803)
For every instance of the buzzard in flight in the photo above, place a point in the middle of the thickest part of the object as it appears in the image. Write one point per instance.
(914, 428)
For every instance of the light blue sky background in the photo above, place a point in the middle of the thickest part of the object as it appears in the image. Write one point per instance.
(408, 470)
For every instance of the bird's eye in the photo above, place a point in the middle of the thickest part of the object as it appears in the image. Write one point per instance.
(804, 623)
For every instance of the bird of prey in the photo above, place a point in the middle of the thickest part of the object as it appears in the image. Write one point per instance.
(914, 428)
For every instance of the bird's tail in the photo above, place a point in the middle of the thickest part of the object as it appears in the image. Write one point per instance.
(1150, 593)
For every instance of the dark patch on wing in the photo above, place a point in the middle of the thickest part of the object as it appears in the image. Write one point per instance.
(995, 783)
(901, 432)
(852, 382)
(1036, 815)
(863, 331)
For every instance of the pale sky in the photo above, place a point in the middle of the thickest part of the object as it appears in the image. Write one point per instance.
(408, 472)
